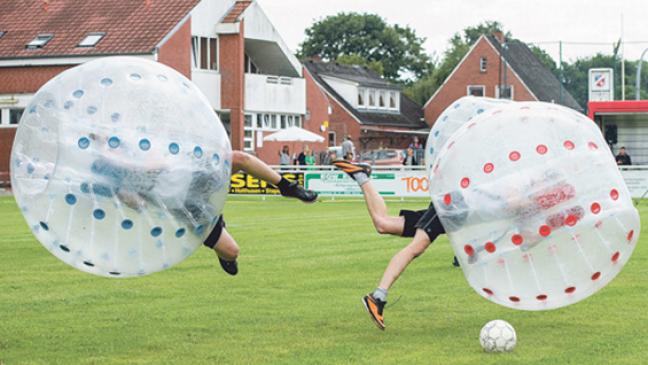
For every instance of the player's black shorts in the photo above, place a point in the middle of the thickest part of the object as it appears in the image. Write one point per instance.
(215, 234)
(427, 220)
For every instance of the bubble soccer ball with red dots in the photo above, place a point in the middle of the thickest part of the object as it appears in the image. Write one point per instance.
(459, 113)
(534, 205)
(497, 336)
(120, 167)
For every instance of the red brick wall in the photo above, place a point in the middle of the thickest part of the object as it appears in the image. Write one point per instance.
(231, 58)
(343, 123)
(6, 141)
(317, 106)
(21, 80)
(468, 73)
(176, 52)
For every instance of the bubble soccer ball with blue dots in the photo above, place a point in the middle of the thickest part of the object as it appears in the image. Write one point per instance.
(120, 167)
(461, 112)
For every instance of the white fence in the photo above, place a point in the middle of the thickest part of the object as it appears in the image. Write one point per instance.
(412, 181)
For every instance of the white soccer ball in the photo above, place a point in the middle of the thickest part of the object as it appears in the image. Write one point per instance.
(497, 336)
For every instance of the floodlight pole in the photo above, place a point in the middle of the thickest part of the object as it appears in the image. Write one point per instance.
(638, 81)
(560, 65)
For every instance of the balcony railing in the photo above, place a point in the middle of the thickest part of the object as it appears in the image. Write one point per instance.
(280, 94)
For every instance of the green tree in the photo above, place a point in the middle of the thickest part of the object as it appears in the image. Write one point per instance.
(576, 76)
(367, 38)
(355, 59)
(545, 58)
(459, 45)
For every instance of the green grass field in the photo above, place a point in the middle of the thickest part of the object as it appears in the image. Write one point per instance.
(295, 301)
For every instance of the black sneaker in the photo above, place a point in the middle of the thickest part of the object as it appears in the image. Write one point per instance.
(352, 168)
(375, 309)
(230, 267)
(455, 262)
(294, 190)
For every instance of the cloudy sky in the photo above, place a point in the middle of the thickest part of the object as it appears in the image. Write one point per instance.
(578, 23)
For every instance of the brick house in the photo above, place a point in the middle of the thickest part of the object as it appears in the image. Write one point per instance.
(498, 68)
(374, 111)
(229, 48)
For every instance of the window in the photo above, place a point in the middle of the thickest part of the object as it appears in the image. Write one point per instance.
(204, 53)
(331, 139)
(248, 132)
(2, 33)
(506, 92)
(91, 40)
(361, 101)
(381, 99)
(483, 62)
(372, 98)
(250, 67)
(291, 121)
(248, 121)
(213, 54)
(392, 100)
(40, 41)
(298, 122)
(266, 121)
(259, 121)
(273, 121)
(15, 115)
(476, 90)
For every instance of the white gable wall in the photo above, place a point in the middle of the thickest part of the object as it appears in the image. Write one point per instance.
(258, 26)
(348, 90)
(206, 15)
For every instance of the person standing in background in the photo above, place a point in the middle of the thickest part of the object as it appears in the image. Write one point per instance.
(348, 150)
(284, 156)
(309, 159)
(301, 159)
(409, 160)
(417, 147)
(623, 158)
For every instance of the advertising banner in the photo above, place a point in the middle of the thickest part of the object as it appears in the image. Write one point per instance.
(242, 183)
(388, 183)
(399, 183)
(637, 182)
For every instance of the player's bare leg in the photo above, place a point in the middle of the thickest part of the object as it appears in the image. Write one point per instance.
(375, 302)
(259, 169)
(382, 221)
(227, 251)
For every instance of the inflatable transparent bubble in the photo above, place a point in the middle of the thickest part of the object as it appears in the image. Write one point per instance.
(120, 167)
(459, 113)
(534, 206)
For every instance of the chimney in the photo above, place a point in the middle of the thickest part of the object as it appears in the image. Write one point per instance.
(499, 35)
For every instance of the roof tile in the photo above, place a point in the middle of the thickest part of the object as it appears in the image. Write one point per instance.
(131, 27)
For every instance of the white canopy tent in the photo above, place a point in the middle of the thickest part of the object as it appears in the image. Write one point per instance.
(293, 134)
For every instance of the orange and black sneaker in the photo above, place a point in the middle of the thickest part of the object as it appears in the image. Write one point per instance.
(375, 309)
(352, 168)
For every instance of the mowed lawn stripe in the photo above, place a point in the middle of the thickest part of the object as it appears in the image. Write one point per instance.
(295, 301)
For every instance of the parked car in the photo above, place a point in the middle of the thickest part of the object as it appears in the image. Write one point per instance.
(383, 157)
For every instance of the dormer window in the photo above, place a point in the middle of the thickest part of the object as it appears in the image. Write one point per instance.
(392, 100)
(40, 41)
(381, 100)
(361, 97)
(372, 98)
(91, 40)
